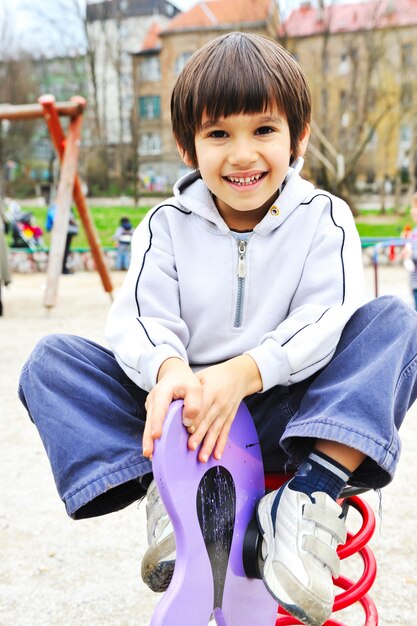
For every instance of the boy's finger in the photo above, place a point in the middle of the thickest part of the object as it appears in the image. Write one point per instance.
(155, 416)
(210, 440)
(147, 441)
(193, 399)
(201, 426)
(160, 406)
(222, 441)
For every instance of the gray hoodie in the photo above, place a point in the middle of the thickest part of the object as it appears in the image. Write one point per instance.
(194, 290)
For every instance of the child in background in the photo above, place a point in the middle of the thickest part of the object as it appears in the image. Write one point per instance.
(245, 285)
(123, 238)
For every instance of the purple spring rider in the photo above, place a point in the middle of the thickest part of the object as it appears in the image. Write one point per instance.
(210, 505)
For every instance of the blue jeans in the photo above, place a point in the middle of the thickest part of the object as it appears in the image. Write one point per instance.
(122, 257)
(90, 415)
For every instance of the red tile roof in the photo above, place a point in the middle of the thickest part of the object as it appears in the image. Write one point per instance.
(214, 13)
(152, 40)
(339, 18)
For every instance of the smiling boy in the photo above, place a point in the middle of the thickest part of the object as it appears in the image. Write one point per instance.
(245, 285)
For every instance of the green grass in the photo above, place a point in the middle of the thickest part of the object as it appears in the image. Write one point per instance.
(106, 220)
(380, 230)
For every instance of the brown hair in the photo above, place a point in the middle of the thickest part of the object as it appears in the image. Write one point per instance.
(239, 73)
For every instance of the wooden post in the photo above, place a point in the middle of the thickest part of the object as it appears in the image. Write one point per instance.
(57, 134)
(62, 211)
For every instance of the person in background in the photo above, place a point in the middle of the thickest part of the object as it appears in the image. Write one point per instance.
(123, 238)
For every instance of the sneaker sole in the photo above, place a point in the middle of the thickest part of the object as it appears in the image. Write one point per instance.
(157, 572)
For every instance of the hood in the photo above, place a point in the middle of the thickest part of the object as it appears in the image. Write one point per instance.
(193, 194)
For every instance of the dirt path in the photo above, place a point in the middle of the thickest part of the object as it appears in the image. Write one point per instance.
(56, 572)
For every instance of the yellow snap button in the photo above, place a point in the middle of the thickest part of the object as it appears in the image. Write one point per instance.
(274, 210)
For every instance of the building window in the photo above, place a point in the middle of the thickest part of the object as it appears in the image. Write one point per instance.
(150, 69)
(181, 60)
(149, 107)
(150, 143)
(405, 135)
(406, 96)
(343, 101)
(326, 61)
(407, 56)
(344, 64)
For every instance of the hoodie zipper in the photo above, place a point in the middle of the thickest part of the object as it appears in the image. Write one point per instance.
(241, 277)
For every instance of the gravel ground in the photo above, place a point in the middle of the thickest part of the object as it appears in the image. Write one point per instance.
(54, 571)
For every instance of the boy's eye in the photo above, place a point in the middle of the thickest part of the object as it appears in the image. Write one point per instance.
(218, 134)
(264, 130)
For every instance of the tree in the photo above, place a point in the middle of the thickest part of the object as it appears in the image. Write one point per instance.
(17, 86)
(354, 94)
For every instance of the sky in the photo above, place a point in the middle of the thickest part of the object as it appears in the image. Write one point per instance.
(184, 5)
(34, 35)
(20, 13)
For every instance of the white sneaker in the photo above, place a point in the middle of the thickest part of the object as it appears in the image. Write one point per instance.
(300, 538)
(159, 560)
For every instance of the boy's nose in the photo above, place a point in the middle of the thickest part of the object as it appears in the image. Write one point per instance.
(242, 154)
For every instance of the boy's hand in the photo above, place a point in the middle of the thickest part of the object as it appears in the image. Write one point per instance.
(224, 386)
(175, 380)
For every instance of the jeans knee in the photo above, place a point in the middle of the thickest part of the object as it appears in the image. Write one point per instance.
(47, 355)
(387, 304)
(48, 344)
(392, 312)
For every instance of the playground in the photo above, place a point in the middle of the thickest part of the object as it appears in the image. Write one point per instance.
(57, 571)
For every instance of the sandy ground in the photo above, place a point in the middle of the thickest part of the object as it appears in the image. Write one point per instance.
(54, 571)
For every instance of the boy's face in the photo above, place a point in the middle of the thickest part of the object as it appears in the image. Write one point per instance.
(243, 159)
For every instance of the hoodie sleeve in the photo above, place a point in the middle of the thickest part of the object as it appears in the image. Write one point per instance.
(144, 326)
(328, 293)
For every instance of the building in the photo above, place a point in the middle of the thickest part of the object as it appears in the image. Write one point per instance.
(360, 60)
(115, 28)
(157, 64)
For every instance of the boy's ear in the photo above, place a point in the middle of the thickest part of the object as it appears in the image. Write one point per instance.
(303, 141)
(184, 155)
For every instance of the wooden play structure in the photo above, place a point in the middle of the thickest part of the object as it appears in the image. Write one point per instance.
(69, 187)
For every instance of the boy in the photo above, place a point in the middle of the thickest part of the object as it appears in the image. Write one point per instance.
(245, 285)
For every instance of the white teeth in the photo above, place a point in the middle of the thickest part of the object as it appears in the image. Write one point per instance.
(244, 181)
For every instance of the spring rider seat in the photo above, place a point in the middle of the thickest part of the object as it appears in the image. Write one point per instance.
(211, 505)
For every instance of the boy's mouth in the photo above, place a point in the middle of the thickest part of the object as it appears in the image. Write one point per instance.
(245, 181)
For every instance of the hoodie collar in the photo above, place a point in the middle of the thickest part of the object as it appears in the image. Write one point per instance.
(193, 194)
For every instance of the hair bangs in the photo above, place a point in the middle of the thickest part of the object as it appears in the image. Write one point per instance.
(232, 94)
(234, 74)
